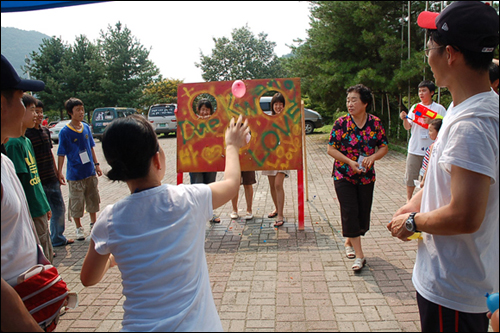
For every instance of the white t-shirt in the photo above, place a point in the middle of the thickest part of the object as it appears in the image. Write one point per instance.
(420, 140)
(19, 247)
(457, 271)
(158, 239)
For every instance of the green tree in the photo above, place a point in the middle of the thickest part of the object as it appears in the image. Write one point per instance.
(47, 65)
(160, 91)
(111, 72)
(127, 67)
(359, 42)
(243, 57)
(83, 71)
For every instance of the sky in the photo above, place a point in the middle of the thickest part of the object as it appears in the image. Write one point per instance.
(175, 31)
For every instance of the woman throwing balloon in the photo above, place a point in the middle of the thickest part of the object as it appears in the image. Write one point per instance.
(277, 177)
(353, 144)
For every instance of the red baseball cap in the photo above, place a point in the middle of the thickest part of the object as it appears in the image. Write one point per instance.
(471, 25)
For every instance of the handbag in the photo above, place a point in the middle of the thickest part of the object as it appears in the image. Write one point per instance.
(44, 293)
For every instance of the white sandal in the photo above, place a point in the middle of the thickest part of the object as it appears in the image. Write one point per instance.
(234, 215)
(359, 263)
(249, 216)
(349, 252)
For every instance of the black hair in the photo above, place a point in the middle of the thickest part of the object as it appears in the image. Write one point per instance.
(28, 100)
(129, 144)
(365, 94)
(436, 123)
(70, 104)
(206, 103)
(277, 98)
(39, 104)
(493, 72)
(478, 61)
(428, 84)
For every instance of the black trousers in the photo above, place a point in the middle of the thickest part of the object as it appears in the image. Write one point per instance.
(355, 207)
(437, 318)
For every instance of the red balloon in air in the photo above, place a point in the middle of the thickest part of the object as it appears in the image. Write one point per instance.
(239, 89)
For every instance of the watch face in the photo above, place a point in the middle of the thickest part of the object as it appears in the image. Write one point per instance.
(409, 224)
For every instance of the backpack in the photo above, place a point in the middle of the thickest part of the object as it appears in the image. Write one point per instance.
(44, 293)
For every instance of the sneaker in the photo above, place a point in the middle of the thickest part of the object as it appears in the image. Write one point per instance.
(79, 234)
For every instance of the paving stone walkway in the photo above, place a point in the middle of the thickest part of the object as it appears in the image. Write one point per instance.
(265, 279)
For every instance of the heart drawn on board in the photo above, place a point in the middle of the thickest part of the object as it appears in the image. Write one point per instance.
(210, 154)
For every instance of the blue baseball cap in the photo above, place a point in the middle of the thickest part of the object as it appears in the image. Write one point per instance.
(10, 79)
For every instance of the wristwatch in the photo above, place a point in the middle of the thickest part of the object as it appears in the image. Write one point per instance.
(410, 223)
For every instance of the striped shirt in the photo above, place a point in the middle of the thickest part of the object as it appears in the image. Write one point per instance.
(42, 145)
(425, 162)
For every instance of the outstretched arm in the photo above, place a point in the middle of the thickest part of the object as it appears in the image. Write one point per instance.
(225, 190)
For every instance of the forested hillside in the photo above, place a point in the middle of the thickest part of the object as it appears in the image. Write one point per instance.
(17, 44)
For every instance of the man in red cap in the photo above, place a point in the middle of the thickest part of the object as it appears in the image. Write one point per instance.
(457, 210)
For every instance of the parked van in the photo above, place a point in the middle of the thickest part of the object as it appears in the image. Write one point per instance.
(102, 117)
(162, 117)
(312, 118)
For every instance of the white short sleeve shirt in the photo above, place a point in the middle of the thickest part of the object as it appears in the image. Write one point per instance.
(457, 271)
(158, 237)
(420, 140)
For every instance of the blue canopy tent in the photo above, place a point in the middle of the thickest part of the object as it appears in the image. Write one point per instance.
(22, 6)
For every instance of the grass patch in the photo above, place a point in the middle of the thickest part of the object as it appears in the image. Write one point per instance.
(398, 148)
(325, 129)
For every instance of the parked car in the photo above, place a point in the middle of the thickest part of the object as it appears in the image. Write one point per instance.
(102, 117)
(54, 131)
(162, 117)
(312, 118)
(52, 124)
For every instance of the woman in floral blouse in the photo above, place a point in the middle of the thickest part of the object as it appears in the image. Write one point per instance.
(353, 142)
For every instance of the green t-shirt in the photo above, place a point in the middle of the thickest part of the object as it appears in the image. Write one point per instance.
(20, 151)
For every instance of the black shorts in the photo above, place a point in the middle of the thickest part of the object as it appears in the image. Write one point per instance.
(248, 178)
(437, 318)
(355, 207)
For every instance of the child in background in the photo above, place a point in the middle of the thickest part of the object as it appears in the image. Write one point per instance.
(42, 146)
(204, 110)
(434, 127)
(21, 152)
(77, 145)
(156, 236)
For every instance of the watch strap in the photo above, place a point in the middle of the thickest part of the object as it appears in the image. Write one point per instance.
(412, 217)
